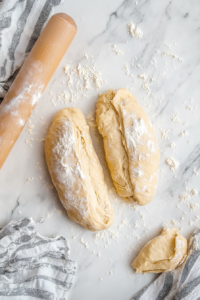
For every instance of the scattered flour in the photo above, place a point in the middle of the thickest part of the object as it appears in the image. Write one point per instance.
(174, 164)
(126, 69)
(174, 222)
(145, 84)
(193, 192)
(190, 107)
(117, 51)
(29, 141)
(165, 134)
(195, 171)
(194, 206)
(122, 224)
(80, 78)
(175, 117)
(172, 145)
(184, 197)
(30, 127)
(173, 56)
(184, 133)
(134, 31)
(196, 218)
(107, 236)
(63, 97)
(83, 242)
(29, 179)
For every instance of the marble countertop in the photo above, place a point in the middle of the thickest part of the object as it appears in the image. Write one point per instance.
(161, 69)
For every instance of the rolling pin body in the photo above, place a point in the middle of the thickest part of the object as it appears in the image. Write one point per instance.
(32, 79)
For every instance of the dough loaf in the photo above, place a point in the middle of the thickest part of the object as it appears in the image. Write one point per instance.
(76, 171)
(130, 145)
(163, 253)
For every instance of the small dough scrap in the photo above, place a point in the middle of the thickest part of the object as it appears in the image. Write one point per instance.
(76, 171)
(163, 253)
(130, 145)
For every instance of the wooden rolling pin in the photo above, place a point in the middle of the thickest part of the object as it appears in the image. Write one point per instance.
(33, 78)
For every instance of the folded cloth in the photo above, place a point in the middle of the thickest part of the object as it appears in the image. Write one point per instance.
(33, 266)
(21, 22)
(182, 283)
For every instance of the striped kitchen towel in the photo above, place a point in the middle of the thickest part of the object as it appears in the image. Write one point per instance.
(21, 22)
(33, 266)
(181, 284)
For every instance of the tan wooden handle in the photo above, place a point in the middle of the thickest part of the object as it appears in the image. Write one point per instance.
(33, 78)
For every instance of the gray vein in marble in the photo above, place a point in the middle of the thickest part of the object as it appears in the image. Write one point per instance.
(167, 11)
(116, 14)
(15, 207)
(185, 171)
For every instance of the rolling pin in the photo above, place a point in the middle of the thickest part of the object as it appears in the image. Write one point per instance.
(33, 78)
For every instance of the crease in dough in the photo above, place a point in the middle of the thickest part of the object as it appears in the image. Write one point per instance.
(76, 171)
(130, 145)
(163, 253)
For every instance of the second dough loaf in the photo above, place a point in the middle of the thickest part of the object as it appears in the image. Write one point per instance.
(76, 171)
(130, 145)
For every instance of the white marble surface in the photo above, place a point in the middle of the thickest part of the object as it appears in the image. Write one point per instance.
(172, 83)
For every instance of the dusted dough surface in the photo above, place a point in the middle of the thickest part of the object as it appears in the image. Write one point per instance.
(76, 171)
(130, 145)
(163, 253)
